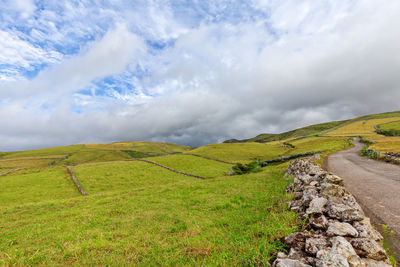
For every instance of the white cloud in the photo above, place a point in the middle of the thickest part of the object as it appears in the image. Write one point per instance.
(306, 63)
(25, 7)
(19, 53)
(107, 56)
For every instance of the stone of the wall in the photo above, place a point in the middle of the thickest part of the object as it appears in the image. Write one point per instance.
(338, 233)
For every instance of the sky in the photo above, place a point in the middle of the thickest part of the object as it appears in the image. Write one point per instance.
(190, 72)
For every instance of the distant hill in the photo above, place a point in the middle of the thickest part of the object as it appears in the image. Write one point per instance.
(83, 153)
(305, 131)
(311, 130)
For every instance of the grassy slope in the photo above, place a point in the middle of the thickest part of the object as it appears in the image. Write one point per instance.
(46, 152)
(363, 127)
(246, 152)
(146, 215)
(153, 147)
(194, 165)
(386, 144)
(366, 126)
(94, 155)
(119, 176)
(301, 132)
(75, 154)
(240, 152)
(318, 144)
(380, 115)
(26, 162)
(360, 126)
(223, 221)
(395, 125)
(35, 185)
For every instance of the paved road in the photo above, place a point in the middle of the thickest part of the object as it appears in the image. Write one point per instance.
(375, 184)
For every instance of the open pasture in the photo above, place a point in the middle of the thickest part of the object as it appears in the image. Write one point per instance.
(119, 176)
(46, 152)
(142, 146)
(386, 144)
(141, 214)
(240, 152)
(361, 128)
(194, 165)
(395, 125)
(91, 155)
(159, 220)
(36, 185)
(318, 144)
(27, 162)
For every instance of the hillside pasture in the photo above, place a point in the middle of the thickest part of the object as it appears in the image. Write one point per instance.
(94, 155)
(389, 129)
(36, 185)
(142, 146)
(119, 176)
(66, 155)
(319, 144)
(301, 132)
(361, 128)
(112, 146)
(240, 152)
(380, 115)
(46, 152)
(164, 219)
(386, 144)
(28, 162)
(194, 165)
(141, 214)
(395, 125)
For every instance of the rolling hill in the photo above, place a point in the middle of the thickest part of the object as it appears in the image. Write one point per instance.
(373, 127)
(301, 132)
(145, 205)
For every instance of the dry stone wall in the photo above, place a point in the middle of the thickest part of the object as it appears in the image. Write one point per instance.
(337, 233)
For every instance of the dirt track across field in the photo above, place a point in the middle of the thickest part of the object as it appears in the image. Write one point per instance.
(375, 184)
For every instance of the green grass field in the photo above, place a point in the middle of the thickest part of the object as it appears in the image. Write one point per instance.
(47, 152)
(301, 132)
(386, 144)
(369, 128)
(323, 145)
(363, 128)
(119, 176)
(194, 165)
(240, 152)
(141, 214)
(170, 221)
(94, 155)
(31, 186)
(149, 147)
(26, 162)
(390, 125)
(247, 152)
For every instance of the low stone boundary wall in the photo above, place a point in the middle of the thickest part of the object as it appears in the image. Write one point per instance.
(295, 156)
(78, 185)
(337, 233)
(5, 173)
(170, 169)
(391, 157)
